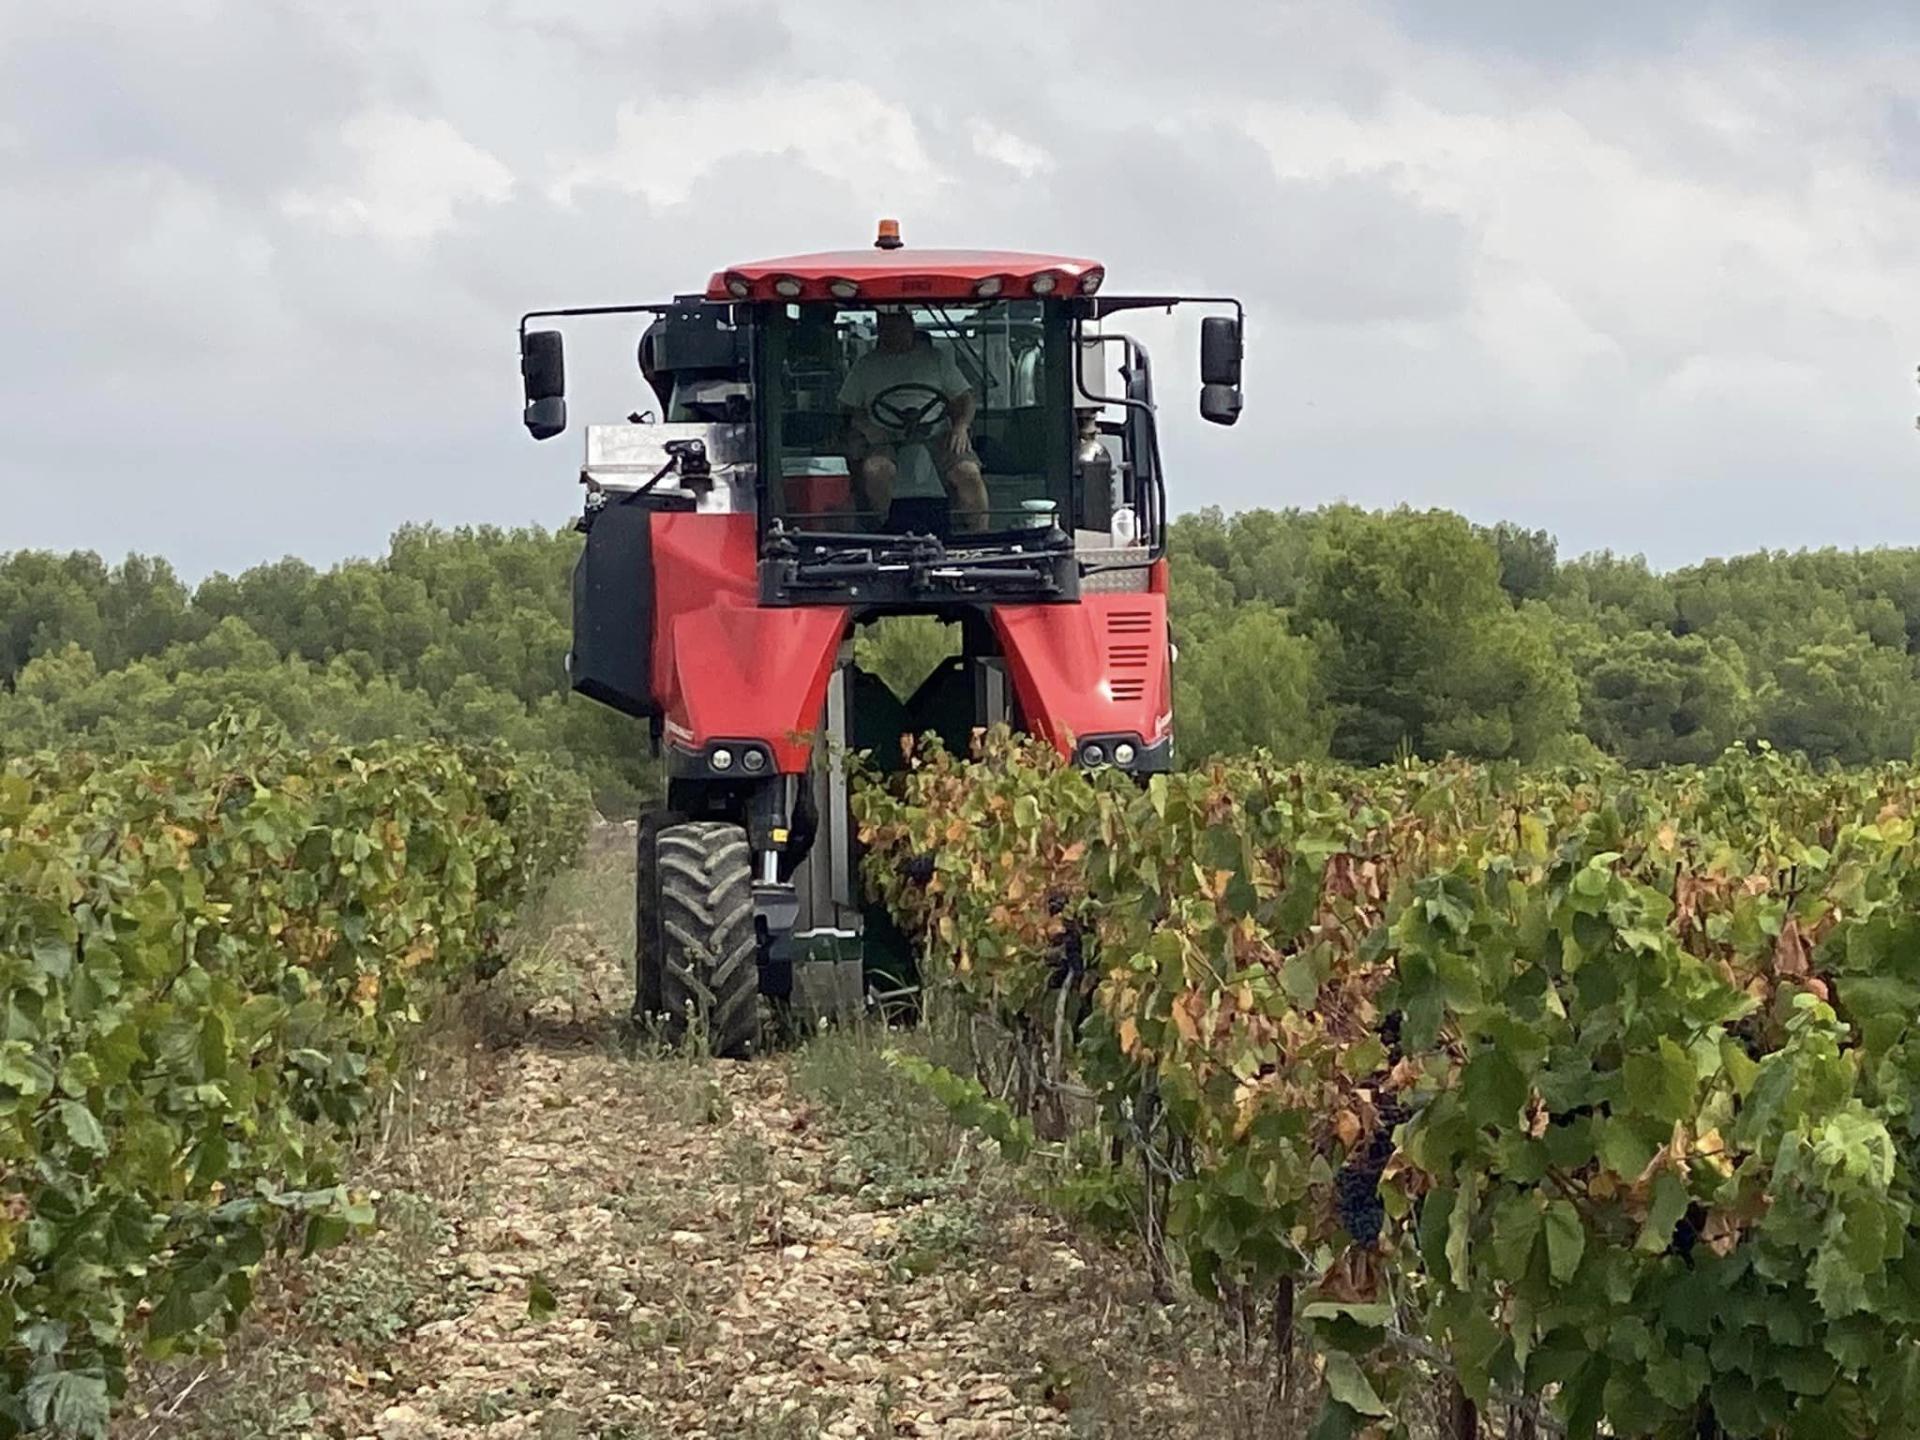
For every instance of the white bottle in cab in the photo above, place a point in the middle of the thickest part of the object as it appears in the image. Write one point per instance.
(1125, 530)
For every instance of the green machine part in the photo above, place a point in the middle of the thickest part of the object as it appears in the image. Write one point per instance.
(945, 706)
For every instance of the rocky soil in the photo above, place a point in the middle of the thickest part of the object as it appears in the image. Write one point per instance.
(587, 1238)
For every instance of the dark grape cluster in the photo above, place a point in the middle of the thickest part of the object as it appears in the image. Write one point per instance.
(1356, 1189)
(916, 869)
(1686, 1232)
(1069, 952)
(1356, 1197)
(1389, 1032)
(1748, 1031)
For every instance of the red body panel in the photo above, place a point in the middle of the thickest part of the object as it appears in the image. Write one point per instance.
(726, 667)
(904, 274)
(1096, 668)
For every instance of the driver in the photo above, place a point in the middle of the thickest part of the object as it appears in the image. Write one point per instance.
(936, 401)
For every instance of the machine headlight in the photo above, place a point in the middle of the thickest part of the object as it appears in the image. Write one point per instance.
(738, 287)
(842, 289)
(1124, 754)
(753, 761)
(1093, 754)
(1044, 284)
(721, 759)
(787, 287)
(1090, 282)
(991, 286)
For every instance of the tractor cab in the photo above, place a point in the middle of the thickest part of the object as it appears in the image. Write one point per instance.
(834, 439)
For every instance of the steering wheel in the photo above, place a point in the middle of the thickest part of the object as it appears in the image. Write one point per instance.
(908, 411)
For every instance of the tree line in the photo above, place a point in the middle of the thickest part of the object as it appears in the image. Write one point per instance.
(1335, 632)
(452, 634)
(1364, 635)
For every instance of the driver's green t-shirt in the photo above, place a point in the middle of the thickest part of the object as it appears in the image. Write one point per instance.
(878, 371)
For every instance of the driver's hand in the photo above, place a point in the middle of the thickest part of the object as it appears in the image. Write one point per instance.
(956, 442)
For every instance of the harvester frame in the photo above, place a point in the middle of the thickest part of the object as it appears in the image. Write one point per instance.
(734, 546)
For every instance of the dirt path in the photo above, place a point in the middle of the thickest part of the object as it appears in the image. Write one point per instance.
(590, 1243)
(702, 1282)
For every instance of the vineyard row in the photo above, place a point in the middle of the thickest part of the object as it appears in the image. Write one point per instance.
(209, 961)
(1600, 1088)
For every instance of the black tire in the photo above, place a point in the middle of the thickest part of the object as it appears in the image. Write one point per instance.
(648, 998)
(710, 960)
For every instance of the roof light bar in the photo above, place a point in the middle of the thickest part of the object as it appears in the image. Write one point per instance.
(1044, 283)
(787, 288)
(991, 286)
(738, 287)
(842, 289)
(1090, 282)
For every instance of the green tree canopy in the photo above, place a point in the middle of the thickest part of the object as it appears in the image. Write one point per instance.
(1252, 685)
(1652, 698)
(1422, 647)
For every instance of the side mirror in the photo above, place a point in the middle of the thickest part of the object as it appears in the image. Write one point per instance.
(545, 419)
(543, 372)
(1220, 403)
(1220, 351)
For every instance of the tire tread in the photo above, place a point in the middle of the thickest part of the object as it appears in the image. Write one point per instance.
(709, 949)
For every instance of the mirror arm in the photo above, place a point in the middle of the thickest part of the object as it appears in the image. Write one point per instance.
(654, 309)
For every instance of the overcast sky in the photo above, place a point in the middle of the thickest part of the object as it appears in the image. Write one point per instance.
(1646, 274)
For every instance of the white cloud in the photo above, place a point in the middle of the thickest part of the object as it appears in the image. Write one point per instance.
(990, 142)
(411, 175)
(842, 129)
(1601, 245)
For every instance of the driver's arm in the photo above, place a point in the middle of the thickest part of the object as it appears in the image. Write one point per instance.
(960, 402)
(960, 409)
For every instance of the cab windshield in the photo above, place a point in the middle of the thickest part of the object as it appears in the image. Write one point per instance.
(942, 418)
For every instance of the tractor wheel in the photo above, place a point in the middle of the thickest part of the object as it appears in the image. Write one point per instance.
(710, 956)
(648, 998)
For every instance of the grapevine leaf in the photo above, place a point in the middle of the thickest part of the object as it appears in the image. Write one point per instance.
(1566, 1240)
(1668, 1204)
(1335, 1422)
(82, 1127)
(1661, 1084)
(1372, 1315)
(1677, 1380)
(1436, 1217)
(1459, 1226)
(54, 955)
(1364, 1058)
(324, 1231)
(1348, 1384)
(1515, 1229)
(1838, 1282)
(1741, 1068)
(1298, 979)
(183, 1309)
(1493, 1088)
(1804, 1371)
(1624, 1151)
(70, 1401)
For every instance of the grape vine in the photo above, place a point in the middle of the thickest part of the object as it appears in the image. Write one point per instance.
(209, 959)
(1603, 1084)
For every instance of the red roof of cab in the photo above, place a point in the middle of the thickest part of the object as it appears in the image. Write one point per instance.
(904, 274)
